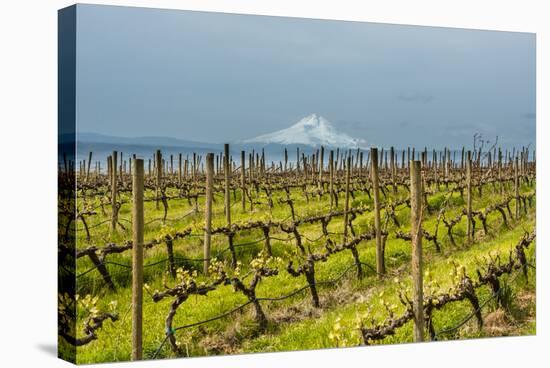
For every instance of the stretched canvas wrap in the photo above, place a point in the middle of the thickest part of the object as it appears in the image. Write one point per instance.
(237, 183)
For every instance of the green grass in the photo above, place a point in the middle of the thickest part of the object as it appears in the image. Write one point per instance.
(293, 323)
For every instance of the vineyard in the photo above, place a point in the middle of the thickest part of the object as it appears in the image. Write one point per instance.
(196, 255)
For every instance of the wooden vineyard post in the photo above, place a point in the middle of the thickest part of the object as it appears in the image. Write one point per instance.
(251, 168)
(171, 165)
(227, 174)
(516, 187)
(361, 164)
(251, 179)
(313, 165)
(416, 237)
(469, 194)
(109, 167)
(186, 168)
(447, 163)
(524, 153)
(194, 168)
(424, 169)
(180, 166)
(478, 161)
(499, 172)
(321, 167)
(114, 210)
(346, 203)
(443, 159)
(243, 180)
(137, 259)
(358, 160)
(89, 163)
(297, 162)
(208, 210)
(158, 159)
(425, 162)
(380, 267)
(263, 166)
(392, 169)
(331, 177)
(436, 170)
(304, 159)
(120, 168)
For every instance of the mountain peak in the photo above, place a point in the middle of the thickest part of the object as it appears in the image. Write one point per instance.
(313, 130)
(312, 120)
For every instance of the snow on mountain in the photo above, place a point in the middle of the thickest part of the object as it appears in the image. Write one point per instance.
(313, 130)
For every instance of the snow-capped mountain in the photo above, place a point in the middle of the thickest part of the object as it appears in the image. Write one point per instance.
(313, 130)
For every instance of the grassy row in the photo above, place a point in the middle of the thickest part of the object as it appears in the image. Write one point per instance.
(294, 324)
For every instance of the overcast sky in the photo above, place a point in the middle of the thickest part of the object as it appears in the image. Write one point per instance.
(220, 77)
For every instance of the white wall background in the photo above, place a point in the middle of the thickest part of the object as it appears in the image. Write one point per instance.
(28, 144)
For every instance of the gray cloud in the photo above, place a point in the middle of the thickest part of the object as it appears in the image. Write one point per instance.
(221, 77)
(415, 97)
